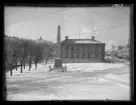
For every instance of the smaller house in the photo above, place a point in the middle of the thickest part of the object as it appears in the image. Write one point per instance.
(124, 53)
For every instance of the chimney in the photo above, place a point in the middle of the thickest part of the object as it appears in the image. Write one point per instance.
(58, 34)
(92, 37)
(66, 37)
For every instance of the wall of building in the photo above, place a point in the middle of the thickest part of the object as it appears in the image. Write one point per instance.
(93, 52)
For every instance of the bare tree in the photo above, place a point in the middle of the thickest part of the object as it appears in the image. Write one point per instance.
(19, 52)
(38, 54)
(30, 52)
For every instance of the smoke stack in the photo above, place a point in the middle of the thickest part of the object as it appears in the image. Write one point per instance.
(66, 37)
(92, 37)
(58, 34)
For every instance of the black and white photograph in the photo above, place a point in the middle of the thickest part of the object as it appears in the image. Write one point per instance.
(67, 53)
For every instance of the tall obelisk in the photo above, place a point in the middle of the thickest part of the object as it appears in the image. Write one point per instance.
(58, 61)
(58, 35)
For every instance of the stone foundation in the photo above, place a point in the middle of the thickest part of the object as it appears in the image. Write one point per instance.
(68, 60)
(58, 62)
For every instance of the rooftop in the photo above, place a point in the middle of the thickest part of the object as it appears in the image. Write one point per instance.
(80, 41)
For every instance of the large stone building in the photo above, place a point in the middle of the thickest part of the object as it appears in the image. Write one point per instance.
(81, 50)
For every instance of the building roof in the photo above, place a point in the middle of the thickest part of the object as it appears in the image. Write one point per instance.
(81, 41)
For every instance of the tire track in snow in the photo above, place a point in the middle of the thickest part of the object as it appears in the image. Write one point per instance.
(122, 85)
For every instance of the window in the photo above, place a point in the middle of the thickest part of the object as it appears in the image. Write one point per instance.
(83, 56)
(78, 48)
(66, 48)
(66, 55)
(96, 56)
(81, 49)
(93, 56)
(100, 49)
(72, 48)
(93, 47)
(96, 48)
(69, 55)
(72, 55)
(88, 55)
(86, 49)
(77, 55)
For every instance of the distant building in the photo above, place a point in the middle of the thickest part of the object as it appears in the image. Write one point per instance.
(124, 53)
(40, 40)
(120, 47)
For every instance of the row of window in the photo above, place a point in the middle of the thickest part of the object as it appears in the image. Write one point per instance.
(72, 48)
(87, 55)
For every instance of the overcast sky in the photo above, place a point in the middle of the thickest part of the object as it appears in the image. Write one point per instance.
(71, 21)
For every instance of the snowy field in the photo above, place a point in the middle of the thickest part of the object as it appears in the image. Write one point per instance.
(82, 81)
(89, 67)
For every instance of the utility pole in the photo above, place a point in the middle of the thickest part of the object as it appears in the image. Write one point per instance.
(94, 31)
(79, 33)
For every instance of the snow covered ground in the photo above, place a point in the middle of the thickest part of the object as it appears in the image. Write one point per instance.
(86, 67)
(87, 84)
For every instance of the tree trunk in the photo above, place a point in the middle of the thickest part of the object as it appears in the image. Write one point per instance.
(7, 67)
(29, 68)
(29, 64)
(21, 67)
(35, 65)
(47, 59)
(16, 66)
(24, 63)
(10, 72)
(24, 66)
